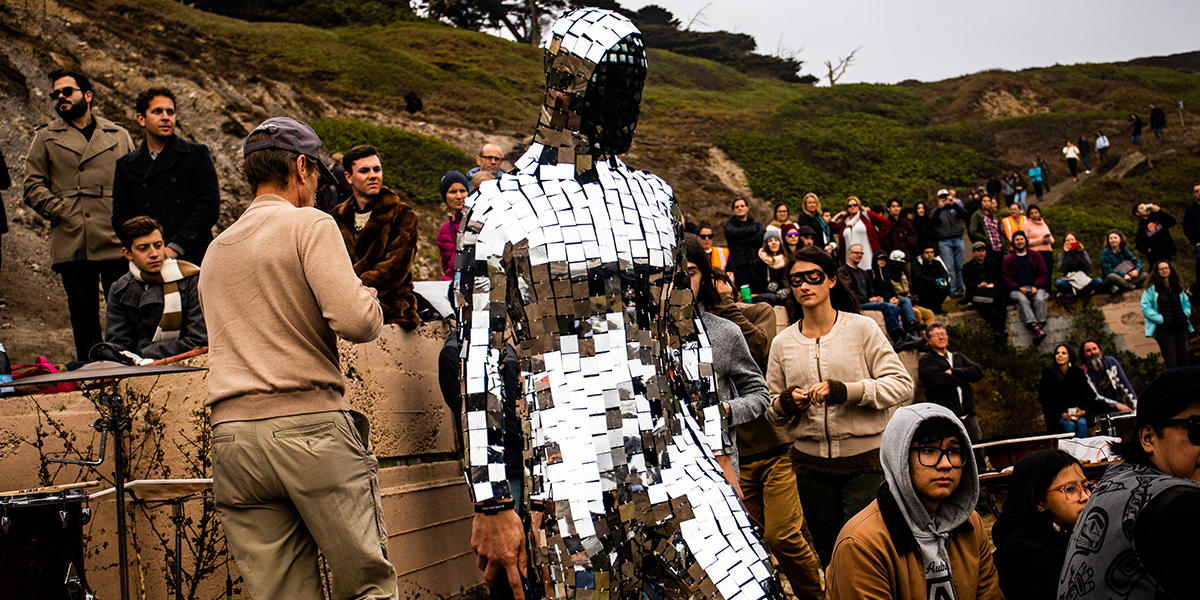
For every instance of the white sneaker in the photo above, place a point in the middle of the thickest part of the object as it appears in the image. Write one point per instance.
(1089, 171)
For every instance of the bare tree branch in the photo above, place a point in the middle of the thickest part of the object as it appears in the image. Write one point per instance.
(836, 71)
(697, 18)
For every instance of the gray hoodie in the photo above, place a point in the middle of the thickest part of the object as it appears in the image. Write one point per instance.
(930, 533)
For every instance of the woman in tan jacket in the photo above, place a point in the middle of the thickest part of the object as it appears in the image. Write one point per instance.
(834, 382)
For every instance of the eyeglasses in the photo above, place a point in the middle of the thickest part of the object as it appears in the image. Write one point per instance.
(705, 236)
(491, 158)
(851, 206)
(931, 456)
(793, 234)
(67, 91)
(1193, 427)
(1074, 491)
(813, 277)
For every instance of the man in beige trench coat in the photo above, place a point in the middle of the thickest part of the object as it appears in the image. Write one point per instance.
(68, 181)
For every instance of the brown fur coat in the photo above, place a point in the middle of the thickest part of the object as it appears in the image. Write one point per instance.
(383, 253)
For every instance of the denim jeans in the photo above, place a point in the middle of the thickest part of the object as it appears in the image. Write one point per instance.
(891, 315)
(951, 252)
(1066, 289)
(1079, 427)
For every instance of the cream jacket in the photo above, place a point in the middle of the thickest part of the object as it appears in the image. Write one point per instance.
(854, 352)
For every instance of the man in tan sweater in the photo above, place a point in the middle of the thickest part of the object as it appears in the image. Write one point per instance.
(293, 469)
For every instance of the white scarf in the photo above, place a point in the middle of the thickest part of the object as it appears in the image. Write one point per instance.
(172, 316)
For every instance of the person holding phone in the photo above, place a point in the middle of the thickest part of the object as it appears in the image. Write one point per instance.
(1075, 265)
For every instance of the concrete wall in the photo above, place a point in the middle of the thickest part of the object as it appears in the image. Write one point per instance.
(392, 380)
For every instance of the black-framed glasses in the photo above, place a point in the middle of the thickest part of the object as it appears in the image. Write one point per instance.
(812, 277)
(1193, 427)
(705, 236)
(931, 456)
(1074, 491)
(67, 91)
(851, 206)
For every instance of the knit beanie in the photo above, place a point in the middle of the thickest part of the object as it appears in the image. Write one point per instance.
(451, 178)
(772, 232)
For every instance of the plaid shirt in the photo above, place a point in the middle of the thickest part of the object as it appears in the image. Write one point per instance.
(992, 226)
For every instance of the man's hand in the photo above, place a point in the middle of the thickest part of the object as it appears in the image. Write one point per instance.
(1134, 272)
(499, 544)
(819, 392)
(1123, 407)
(894, 300)
(875, 299)
(170, 252)
(731, 476)
(949, 372)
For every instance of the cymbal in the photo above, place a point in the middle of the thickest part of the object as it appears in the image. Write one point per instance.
(99, 370)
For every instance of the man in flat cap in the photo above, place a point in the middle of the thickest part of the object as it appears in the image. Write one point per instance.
(293, 469)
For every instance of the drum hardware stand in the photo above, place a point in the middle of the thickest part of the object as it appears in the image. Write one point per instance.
(177, 519)
(116, 422)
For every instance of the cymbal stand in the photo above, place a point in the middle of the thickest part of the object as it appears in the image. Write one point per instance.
(116, 422)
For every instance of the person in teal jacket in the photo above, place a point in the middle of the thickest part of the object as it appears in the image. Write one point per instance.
(1035, 176)
(1166, 307)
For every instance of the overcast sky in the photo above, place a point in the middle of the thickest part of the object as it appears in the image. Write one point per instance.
(931, 40)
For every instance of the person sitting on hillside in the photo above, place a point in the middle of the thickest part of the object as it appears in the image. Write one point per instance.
(1108, 379)
(1014, 222)
(897, 272)
(986, 228)
(876, 293)
(1026, 278)
(1075, 264)
(1047, 493)
(380, 233)
(930, 280)
(860, 225)
(153, 311)
(920, 537)
(985, 288)
(1065, 395)
(1154, 232)
(1122, 270)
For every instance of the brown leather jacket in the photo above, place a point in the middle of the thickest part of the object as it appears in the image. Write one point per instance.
(68, 181)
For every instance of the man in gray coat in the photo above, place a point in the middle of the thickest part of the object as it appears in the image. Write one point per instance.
(68, 181)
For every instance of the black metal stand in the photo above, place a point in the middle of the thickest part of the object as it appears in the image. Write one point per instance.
(117, 423)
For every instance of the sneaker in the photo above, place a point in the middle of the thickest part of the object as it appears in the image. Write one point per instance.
(1039, 334)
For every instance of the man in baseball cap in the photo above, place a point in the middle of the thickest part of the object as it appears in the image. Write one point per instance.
(293, 468)
(286, 133)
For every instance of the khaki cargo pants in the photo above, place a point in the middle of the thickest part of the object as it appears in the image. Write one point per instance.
(288, 486)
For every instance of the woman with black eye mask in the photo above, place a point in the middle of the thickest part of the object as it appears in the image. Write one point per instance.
(834, 382)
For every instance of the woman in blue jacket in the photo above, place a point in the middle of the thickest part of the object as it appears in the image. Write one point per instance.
(1166, 307)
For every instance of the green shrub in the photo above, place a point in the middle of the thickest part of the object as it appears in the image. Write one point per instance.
(412, 163)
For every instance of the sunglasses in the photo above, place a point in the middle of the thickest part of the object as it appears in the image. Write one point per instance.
(793, 234)
(813, 277)
(67, 91)
(1193, 427)
(851, 206)
(491, 158)
(704, 236)
(1073, 491)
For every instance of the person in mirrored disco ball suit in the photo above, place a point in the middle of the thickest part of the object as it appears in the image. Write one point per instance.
(573, 258)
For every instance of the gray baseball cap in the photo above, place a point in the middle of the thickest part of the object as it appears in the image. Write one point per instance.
(293, 136)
